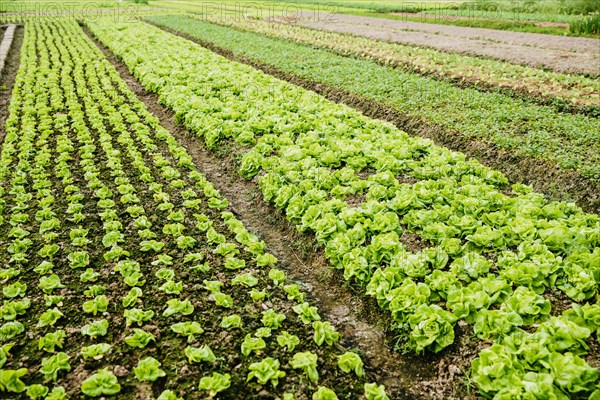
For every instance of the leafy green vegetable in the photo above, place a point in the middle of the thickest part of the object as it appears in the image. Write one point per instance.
(351, 362)
(148, 369)
(53, 365)
(266, 371)
(199, 354)
(215, 384)
(101, 383)
(306, 361)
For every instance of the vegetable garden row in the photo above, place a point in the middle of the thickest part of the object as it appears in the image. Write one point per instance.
(542, 132)
(482, 72)
(123, 272)
(504, 261)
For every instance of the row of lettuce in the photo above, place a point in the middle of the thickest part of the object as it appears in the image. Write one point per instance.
(529, 130)
(147, 280)
(486, 73)
(360, 185)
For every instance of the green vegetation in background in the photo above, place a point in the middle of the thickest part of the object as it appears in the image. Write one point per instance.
(589, 25)
(572, 141)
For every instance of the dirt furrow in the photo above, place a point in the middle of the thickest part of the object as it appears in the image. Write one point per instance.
(7, 77)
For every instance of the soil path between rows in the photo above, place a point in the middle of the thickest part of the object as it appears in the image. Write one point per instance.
(7, 77)
(359, 320)
(558, 53)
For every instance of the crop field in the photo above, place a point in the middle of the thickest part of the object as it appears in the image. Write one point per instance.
(198, 207)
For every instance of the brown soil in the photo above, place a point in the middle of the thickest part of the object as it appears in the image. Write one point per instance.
(465, 18)
(545, 177)
(558, 53)
(358, 318)
(7, 77)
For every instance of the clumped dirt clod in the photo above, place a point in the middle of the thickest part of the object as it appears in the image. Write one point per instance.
(358, 318)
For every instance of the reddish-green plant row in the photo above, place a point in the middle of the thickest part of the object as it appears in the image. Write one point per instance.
(123, 272)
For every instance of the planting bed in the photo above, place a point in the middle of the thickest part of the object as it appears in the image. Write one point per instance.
(123, 271)
(504, 261)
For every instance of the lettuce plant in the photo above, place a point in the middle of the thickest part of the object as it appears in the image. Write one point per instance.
(223, 300)
(89, 275)
(172, 287)
(351, 362)
(148, 369)
(132, 298)
(96, 305)
(494, 324)
(168, 395)
(95, 328)
(306, 313)
(58, 393)
(51, 340)
(271, 319)
(294, 293)
(140, 338)
(78, 259)
(527, 304)
(15, 290)
(258, 295)
(37, 391)
(188, 328)
(137, 316)
(277, 276)
(306, 361)
(247, 280)
(95, 351)
(10, 380)
(266, 371)
(11, 309)
(324, 393)
(374, 392)
(215, 384)
(4, 349)
(176, 306)
(50, 283)
(53, 365)
(49, 317)
(231, 321)
(587, 316)
(200, 354)
(432, 328)
(101, 383)
(325, 333)
(288, 340)
(252, 344)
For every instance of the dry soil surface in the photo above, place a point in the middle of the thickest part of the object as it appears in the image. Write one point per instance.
(558, 53)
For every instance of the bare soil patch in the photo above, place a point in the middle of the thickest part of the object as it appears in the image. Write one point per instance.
(358, 318)
(558, 53)
(465, 18)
